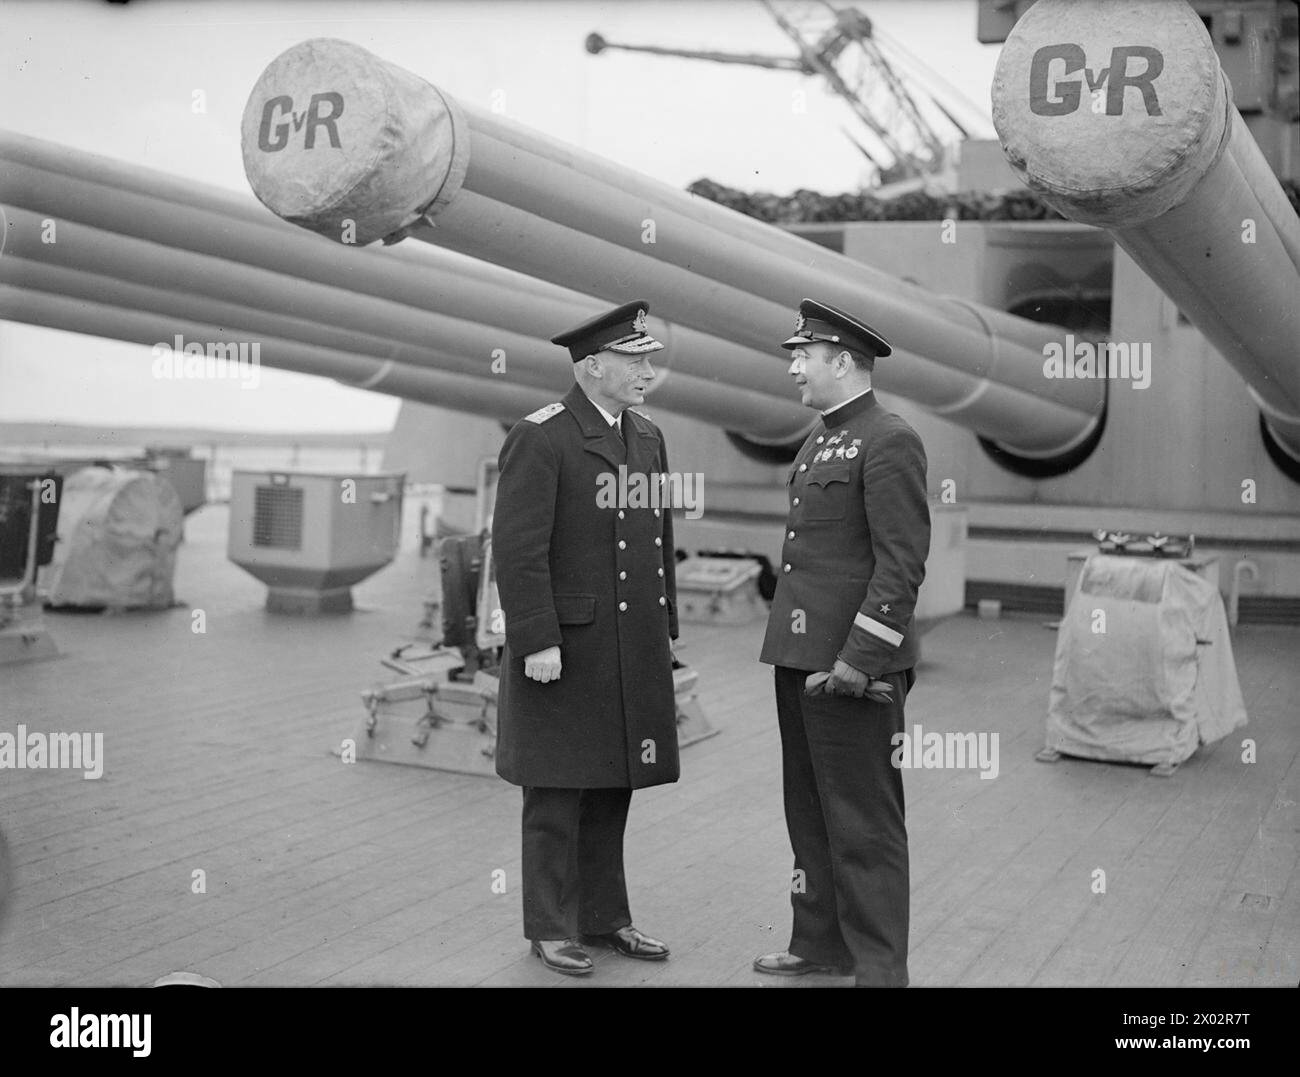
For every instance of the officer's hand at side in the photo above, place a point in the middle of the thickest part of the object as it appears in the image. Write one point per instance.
(846, 681)
(879, 691)
(544, 665)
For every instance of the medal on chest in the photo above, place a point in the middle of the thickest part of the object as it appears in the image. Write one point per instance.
(834, 450)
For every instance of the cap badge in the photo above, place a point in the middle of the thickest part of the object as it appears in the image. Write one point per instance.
(800, 323)
(638, 323)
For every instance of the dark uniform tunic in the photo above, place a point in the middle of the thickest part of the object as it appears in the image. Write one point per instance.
(856, 540)
(857, 536)
(578, 571)
(584, 561)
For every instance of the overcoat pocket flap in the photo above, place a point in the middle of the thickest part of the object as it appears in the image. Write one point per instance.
(824, 475)
(575, 609)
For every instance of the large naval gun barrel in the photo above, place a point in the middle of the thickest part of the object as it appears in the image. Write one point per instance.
(1120, 115)
(143, 256)
(345, 144)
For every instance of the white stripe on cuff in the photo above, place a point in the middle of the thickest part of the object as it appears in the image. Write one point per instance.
(879, 630)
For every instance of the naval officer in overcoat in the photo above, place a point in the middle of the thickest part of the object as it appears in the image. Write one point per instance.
(854, 552)
(586, 712)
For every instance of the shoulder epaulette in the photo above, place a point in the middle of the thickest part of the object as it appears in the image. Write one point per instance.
(542, 414)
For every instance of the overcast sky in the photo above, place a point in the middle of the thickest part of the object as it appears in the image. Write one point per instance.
(120, 80)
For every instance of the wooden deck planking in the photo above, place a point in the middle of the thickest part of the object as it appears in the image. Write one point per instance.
(322, 873)
(1065, 902)
(1203, 881)
(1200, 882)
(990, 838)
(322, 876)
(230, 825)
(1147, 874)
(459, 856)
(1138, 884)
(1237, 933)
(294, 874)
(1281, 954)
(663, 829)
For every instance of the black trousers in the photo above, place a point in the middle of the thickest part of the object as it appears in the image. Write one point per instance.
(844, 813)
(573, 880)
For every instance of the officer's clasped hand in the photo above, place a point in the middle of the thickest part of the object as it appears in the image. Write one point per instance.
(836, 683)
(544, 665)
(845, 680)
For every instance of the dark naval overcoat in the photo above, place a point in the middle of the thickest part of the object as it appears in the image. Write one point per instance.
(855, 546)
(585, 561)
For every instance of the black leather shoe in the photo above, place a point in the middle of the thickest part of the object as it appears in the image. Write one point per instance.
(563, 955)
(787, 964)
(629, 942)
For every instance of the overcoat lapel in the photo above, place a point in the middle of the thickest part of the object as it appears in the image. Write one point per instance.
(642, 447)
(599, 437)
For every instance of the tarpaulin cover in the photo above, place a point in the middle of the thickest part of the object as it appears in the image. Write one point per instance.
(336, 139)
(1112, 111)
(118, 533)
(1144, 670)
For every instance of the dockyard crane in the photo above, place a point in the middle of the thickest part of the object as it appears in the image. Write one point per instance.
(843, 47)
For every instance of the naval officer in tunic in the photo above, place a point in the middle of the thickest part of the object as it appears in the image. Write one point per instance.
(856, 540)
(586, 712)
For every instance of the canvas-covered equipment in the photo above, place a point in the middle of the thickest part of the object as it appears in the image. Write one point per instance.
(378, 146)
(1144, 670)
(118, 533)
